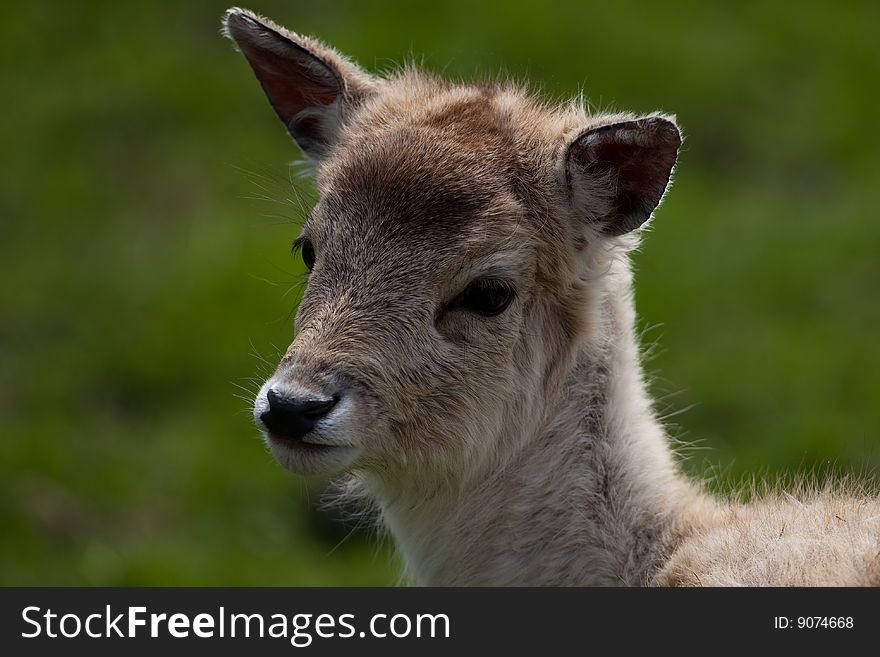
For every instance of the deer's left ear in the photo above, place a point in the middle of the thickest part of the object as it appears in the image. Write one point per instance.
(616, 174)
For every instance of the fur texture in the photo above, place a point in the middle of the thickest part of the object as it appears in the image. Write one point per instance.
(522, 447)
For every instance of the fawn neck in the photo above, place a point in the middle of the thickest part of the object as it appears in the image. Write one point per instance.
(594, 497)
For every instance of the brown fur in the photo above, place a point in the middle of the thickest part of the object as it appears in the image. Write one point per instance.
(518, 448)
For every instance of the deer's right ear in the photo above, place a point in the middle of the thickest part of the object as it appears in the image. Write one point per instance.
(310, 86)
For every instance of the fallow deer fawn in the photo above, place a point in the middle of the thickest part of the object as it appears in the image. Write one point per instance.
(465, 348)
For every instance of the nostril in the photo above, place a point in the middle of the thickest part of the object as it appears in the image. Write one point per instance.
(318, 408)
(299, 405)
(295, 416)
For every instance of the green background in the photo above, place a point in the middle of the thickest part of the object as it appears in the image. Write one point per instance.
(147, 286)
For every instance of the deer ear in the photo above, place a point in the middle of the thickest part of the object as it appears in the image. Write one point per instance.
(616, 174)
(310, 86)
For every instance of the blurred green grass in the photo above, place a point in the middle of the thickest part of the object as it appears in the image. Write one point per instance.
(145, 281)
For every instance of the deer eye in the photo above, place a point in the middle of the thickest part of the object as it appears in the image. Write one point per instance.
(485, 296)
(307, 251)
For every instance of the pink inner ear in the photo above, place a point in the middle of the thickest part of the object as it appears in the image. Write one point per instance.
(637, 158)
(292, 83)
(642, 170)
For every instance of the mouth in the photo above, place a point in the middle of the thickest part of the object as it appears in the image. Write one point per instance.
(298, 443)
(306, 457)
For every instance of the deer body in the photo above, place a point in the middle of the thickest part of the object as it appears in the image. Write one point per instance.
(465, 350)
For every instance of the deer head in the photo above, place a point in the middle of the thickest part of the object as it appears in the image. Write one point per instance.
(456, 257)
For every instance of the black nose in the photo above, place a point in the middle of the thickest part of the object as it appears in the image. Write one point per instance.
(294, 417)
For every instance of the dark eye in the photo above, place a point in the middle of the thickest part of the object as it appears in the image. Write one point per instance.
(486, 296)
(306, 251)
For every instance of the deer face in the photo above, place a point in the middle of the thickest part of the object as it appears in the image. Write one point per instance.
(449, 258)
(415, 308)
